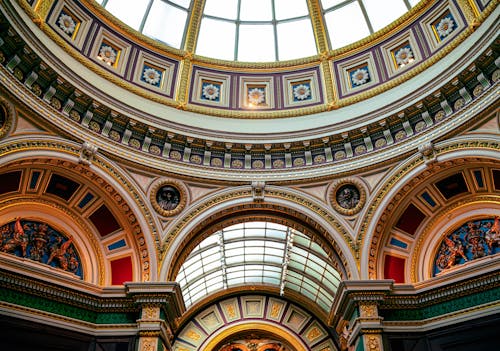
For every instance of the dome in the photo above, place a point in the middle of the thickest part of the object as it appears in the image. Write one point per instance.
(267, 175)
(256, 31)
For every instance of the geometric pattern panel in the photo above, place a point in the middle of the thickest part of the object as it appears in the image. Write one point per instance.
(211, 326)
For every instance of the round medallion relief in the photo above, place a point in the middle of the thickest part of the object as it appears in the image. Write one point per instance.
(168, 197)
(348, 196)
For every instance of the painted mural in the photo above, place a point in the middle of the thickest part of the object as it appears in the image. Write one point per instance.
(473, 240)
(40, 242)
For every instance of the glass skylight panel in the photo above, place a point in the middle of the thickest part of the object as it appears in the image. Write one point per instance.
(129, 11)
(216, 39)
(254, 253)
(329, 3)
(166, 23)
(380, 16)
(346, 25)
(256, 10)
(183, 3)
(222, 9)
(290, 8)
(291, 33)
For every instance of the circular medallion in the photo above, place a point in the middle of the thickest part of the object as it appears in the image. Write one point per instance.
(348, 196)
(168, 197)
(6, 118)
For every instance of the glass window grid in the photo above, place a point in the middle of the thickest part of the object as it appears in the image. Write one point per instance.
(370, 18)
(254, 253)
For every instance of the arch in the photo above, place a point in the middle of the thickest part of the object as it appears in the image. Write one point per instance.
(295, 209)
(210, 328)
(392, 195)
(104, 178)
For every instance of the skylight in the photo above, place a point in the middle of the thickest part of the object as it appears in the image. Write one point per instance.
(260, 253)
(256, 30)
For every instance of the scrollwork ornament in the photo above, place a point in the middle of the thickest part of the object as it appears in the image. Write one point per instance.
(348, 196)
(168, 197)
(368, 311)
(373, 343)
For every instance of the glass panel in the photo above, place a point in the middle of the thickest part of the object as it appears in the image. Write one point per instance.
(256, 10)
(340, 28)
(223, 9)
(256, 43)
(291, 33)
(380, 16)
(166, 23)
(290, 8)
(329, 3)
(129, 11)
(183, 3)
(216, 39)
(251, 261)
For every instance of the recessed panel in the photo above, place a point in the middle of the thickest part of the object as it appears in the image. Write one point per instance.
(410, 219)
(452, 185)
(104, 221)
(10, 181)
(61, 186)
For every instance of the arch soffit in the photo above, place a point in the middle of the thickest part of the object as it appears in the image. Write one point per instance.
(280, 205)
(391, 193)
(300, 328)
(112, 182)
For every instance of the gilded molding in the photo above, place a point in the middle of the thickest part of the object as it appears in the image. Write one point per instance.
(9, 114)
(247, 193)
(471, 12)
(42, 8)
(361, 201)
(318, 25)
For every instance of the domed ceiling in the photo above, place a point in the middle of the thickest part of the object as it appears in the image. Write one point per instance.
(255, 31)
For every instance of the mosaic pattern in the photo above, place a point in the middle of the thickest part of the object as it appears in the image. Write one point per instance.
(40, 242)
(473, 240)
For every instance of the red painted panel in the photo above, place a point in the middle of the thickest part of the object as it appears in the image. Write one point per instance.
(410, 219)
(121, 270)
(394, 268)
(104, 221)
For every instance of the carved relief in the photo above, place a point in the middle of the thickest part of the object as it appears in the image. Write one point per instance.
(168, 197)
(368, 310)
(473, 240)
(38, 241)
(348, 196)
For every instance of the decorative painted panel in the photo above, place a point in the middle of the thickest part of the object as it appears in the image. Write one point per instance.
(472, 240)
(38, 241)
